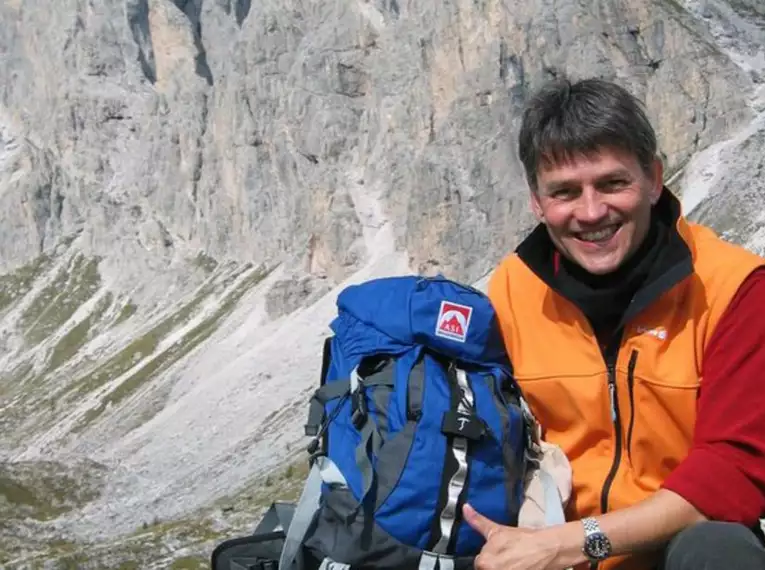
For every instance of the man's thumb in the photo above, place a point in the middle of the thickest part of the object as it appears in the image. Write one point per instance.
(480, 523)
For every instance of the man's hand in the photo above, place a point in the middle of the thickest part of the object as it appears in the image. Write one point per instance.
(510, 548)
(646, 525)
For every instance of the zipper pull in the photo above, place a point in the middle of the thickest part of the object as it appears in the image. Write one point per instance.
(612, 391)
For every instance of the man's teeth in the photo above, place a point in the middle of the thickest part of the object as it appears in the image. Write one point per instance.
(599, 235)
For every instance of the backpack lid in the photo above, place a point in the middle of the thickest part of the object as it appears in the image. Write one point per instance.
(394, 314)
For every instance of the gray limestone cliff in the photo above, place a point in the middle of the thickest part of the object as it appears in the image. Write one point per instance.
(185, 184)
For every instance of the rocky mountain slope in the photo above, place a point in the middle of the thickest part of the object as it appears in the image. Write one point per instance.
(185, 185)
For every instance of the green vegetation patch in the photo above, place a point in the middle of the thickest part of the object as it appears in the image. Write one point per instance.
(15, 285)
(205, 262)
(191, 563)
(145, 346)
(139, 348)
(246, 505)
(78, 335)
(127, 311)
(43, 490)
(181, 544)
(11, 379)
(59, 300)
(184, 346)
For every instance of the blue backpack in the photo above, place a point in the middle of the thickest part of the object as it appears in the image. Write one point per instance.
(417, 412)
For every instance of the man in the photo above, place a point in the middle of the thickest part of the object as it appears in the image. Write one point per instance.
(639, 341)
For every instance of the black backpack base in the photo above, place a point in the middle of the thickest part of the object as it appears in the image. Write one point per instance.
(261, 549)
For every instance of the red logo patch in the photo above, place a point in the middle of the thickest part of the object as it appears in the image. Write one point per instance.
(453, 321)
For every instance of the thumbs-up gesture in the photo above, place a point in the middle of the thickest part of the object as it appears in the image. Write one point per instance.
(511, 548)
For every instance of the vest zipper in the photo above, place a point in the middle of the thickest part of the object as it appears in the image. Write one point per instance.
(614, 404)
(613, 394)
(631, 384)
(611, 357)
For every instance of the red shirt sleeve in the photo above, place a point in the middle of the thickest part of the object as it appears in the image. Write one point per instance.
(724, 474)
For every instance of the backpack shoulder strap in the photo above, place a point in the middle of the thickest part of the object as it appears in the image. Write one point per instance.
(416, 388)
(326, 355)
(322, 395)
(322, 471)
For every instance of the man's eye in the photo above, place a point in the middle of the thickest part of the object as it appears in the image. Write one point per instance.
(617, 183)
(562, 194)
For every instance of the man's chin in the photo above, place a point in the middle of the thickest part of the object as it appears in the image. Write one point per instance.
(600, 268)
(601, 265)
(595, 263)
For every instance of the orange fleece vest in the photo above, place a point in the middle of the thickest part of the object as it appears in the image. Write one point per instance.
(624, 430)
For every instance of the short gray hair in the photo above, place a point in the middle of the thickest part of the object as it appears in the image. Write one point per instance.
(565, 119)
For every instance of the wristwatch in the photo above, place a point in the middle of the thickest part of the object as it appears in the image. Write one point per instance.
(596, 547)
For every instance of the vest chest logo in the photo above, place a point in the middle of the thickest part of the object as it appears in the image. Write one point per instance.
(656, 332)
(453, 321)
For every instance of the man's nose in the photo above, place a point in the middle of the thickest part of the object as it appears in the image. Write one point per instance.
(591, 208)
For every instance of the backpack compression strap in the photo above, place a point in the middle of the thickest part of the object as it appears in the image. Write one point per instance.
(370, 434)
(461, 426)
(316, 423)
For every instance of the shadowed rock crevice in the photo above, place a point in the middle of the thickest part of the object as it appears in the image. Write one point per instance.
(138, 22)
(199, 152)
(241, 10)
(193, 11)
(390, 6)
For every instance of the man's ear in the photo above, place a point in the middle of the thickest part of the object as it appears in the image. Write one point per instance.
(658, 181)
(536, 205)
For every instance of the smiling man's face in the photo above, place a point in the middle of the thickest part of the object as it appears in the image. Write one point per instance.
(597, 208)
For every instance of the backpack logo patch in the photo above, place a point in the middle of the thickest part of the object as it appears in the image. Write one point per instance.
(453, 321)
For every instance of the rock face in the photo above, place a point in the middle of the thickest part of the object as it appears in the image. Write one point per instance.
(185, 184)
(259, 131)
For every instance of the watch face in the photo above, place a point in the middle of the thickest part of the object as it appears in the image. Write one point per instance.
(598, 546)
